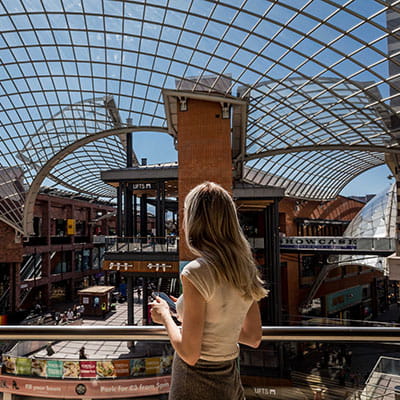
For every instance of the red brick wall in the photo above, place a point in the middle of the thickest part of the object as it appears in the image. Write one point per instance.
(341, 208)
(10, 252)
(204, 153)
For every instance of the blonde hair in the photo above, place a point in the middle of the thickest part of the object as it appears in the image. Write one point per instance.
(213, 233)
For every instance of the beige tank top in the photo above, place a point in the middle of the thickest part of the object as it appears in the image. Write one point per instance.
(225, 313)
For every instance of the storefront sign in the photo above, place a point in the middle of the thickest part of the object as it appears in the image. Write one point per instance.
(141, 266)
(318, 243)
(344, 299)
(93, 389)
(143, 186)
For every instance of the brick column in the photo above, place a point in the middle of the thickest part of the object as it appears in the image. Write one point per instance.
(204, 153)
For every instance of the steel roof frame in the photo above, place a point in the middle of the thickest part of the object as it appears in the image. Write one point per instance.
(313, 73)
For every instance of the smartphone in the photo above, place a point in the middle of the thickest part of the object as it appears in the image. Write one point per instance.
(164, 296)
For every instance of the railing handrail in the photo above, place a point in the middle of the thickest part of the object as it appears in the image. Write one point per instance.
(151, 333)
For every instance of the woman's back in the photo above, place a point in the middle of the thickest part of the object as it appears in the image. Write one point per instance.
(225, 312)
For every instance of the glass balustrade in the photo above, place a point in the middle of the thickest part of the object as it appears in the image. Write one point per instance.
(103, 362)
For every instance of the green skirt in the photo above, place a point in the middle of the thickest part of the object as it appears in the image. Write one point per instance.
(207, 380)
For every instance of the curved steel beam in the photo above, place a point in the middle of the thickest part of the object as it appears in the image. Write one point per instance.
(325, 147)
(30, 199)
(10, 223)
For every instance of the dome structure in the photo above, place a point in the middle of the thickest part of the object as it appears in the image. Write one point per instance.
(377, 219)
(320, 78)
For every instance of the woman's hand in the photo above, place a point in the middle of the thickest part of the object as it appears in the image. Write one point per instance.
(159, 310)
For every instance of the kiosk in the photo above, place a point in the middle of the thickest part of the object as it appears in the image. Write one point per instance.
(96, 300)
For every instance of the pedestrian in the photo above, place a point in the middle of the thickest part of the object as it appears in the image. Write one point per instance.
(82, 354)
(70, 315)
(103, 309)
(64, 319)
(218, 308)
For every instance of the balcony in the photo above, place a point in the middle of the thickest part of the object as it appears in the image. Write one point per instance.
(146, 244)
(293, 362)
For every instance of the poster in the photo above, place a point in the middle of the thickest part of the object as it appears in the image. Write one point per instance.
(166, 364)
(105, 369)
(71, 369)
(153, 366)
(24, 366)
(39, 367)
(88, 369)
(138, 367)
(55, 368)
(9, 364)
(121, 368)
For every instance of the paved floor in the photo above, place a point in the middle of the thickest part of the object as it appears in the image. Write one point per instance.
(105, 349)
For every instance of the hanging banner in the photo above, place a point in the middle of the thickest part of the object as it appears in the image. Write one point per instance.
(23, 366)
(55, 368)
(39, 368)
(9, 364)
(105, 369)
(87, 369)
(121, 368)
(78, 389)
(71, 369)
(138, 367)
(153, 366)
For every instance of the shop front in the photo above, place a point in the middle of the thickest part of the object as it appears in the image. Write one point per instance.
(344, 303)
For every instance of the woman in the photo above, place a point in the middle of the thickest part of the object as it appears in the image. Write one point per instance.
(218, 308)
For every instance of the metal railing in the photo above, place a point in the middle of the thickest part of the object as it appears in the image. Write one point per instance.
(149, 333)
(145, 244)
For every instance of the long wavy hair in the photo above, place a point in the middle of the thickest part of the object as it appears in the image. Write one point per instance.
(213, 233)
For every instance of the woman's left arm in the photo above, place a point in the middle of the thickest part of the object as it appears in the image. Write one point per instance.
(251, 332)
(187, 340)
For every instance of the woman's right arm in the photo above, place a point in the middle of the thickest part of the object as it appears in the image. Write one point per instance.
(251, 332)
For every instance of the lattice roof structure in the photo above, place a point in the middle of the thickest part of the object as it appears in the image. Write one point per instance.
(321, 79)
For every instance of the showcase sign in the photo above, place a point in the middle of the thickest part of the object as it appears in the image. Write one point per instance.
(318, 243)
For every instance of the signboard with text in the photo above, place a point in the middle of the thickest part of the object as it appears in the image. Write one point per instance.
(92, 389)
(141, 266)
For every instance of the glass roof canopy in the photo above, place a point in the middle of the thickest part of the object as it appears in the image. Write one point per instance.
(76, 76)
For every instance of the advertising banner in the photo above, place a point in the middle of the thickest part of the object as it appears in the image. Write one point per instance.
(39, 367)
(92, 389)
(153, 366)
(138, 367)
(55, 368)
(121, 368)
(166, 364)
(71, 369)
(343, 299)
(9, 364)
(88, 369)
(24, 366)
(105, 369)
